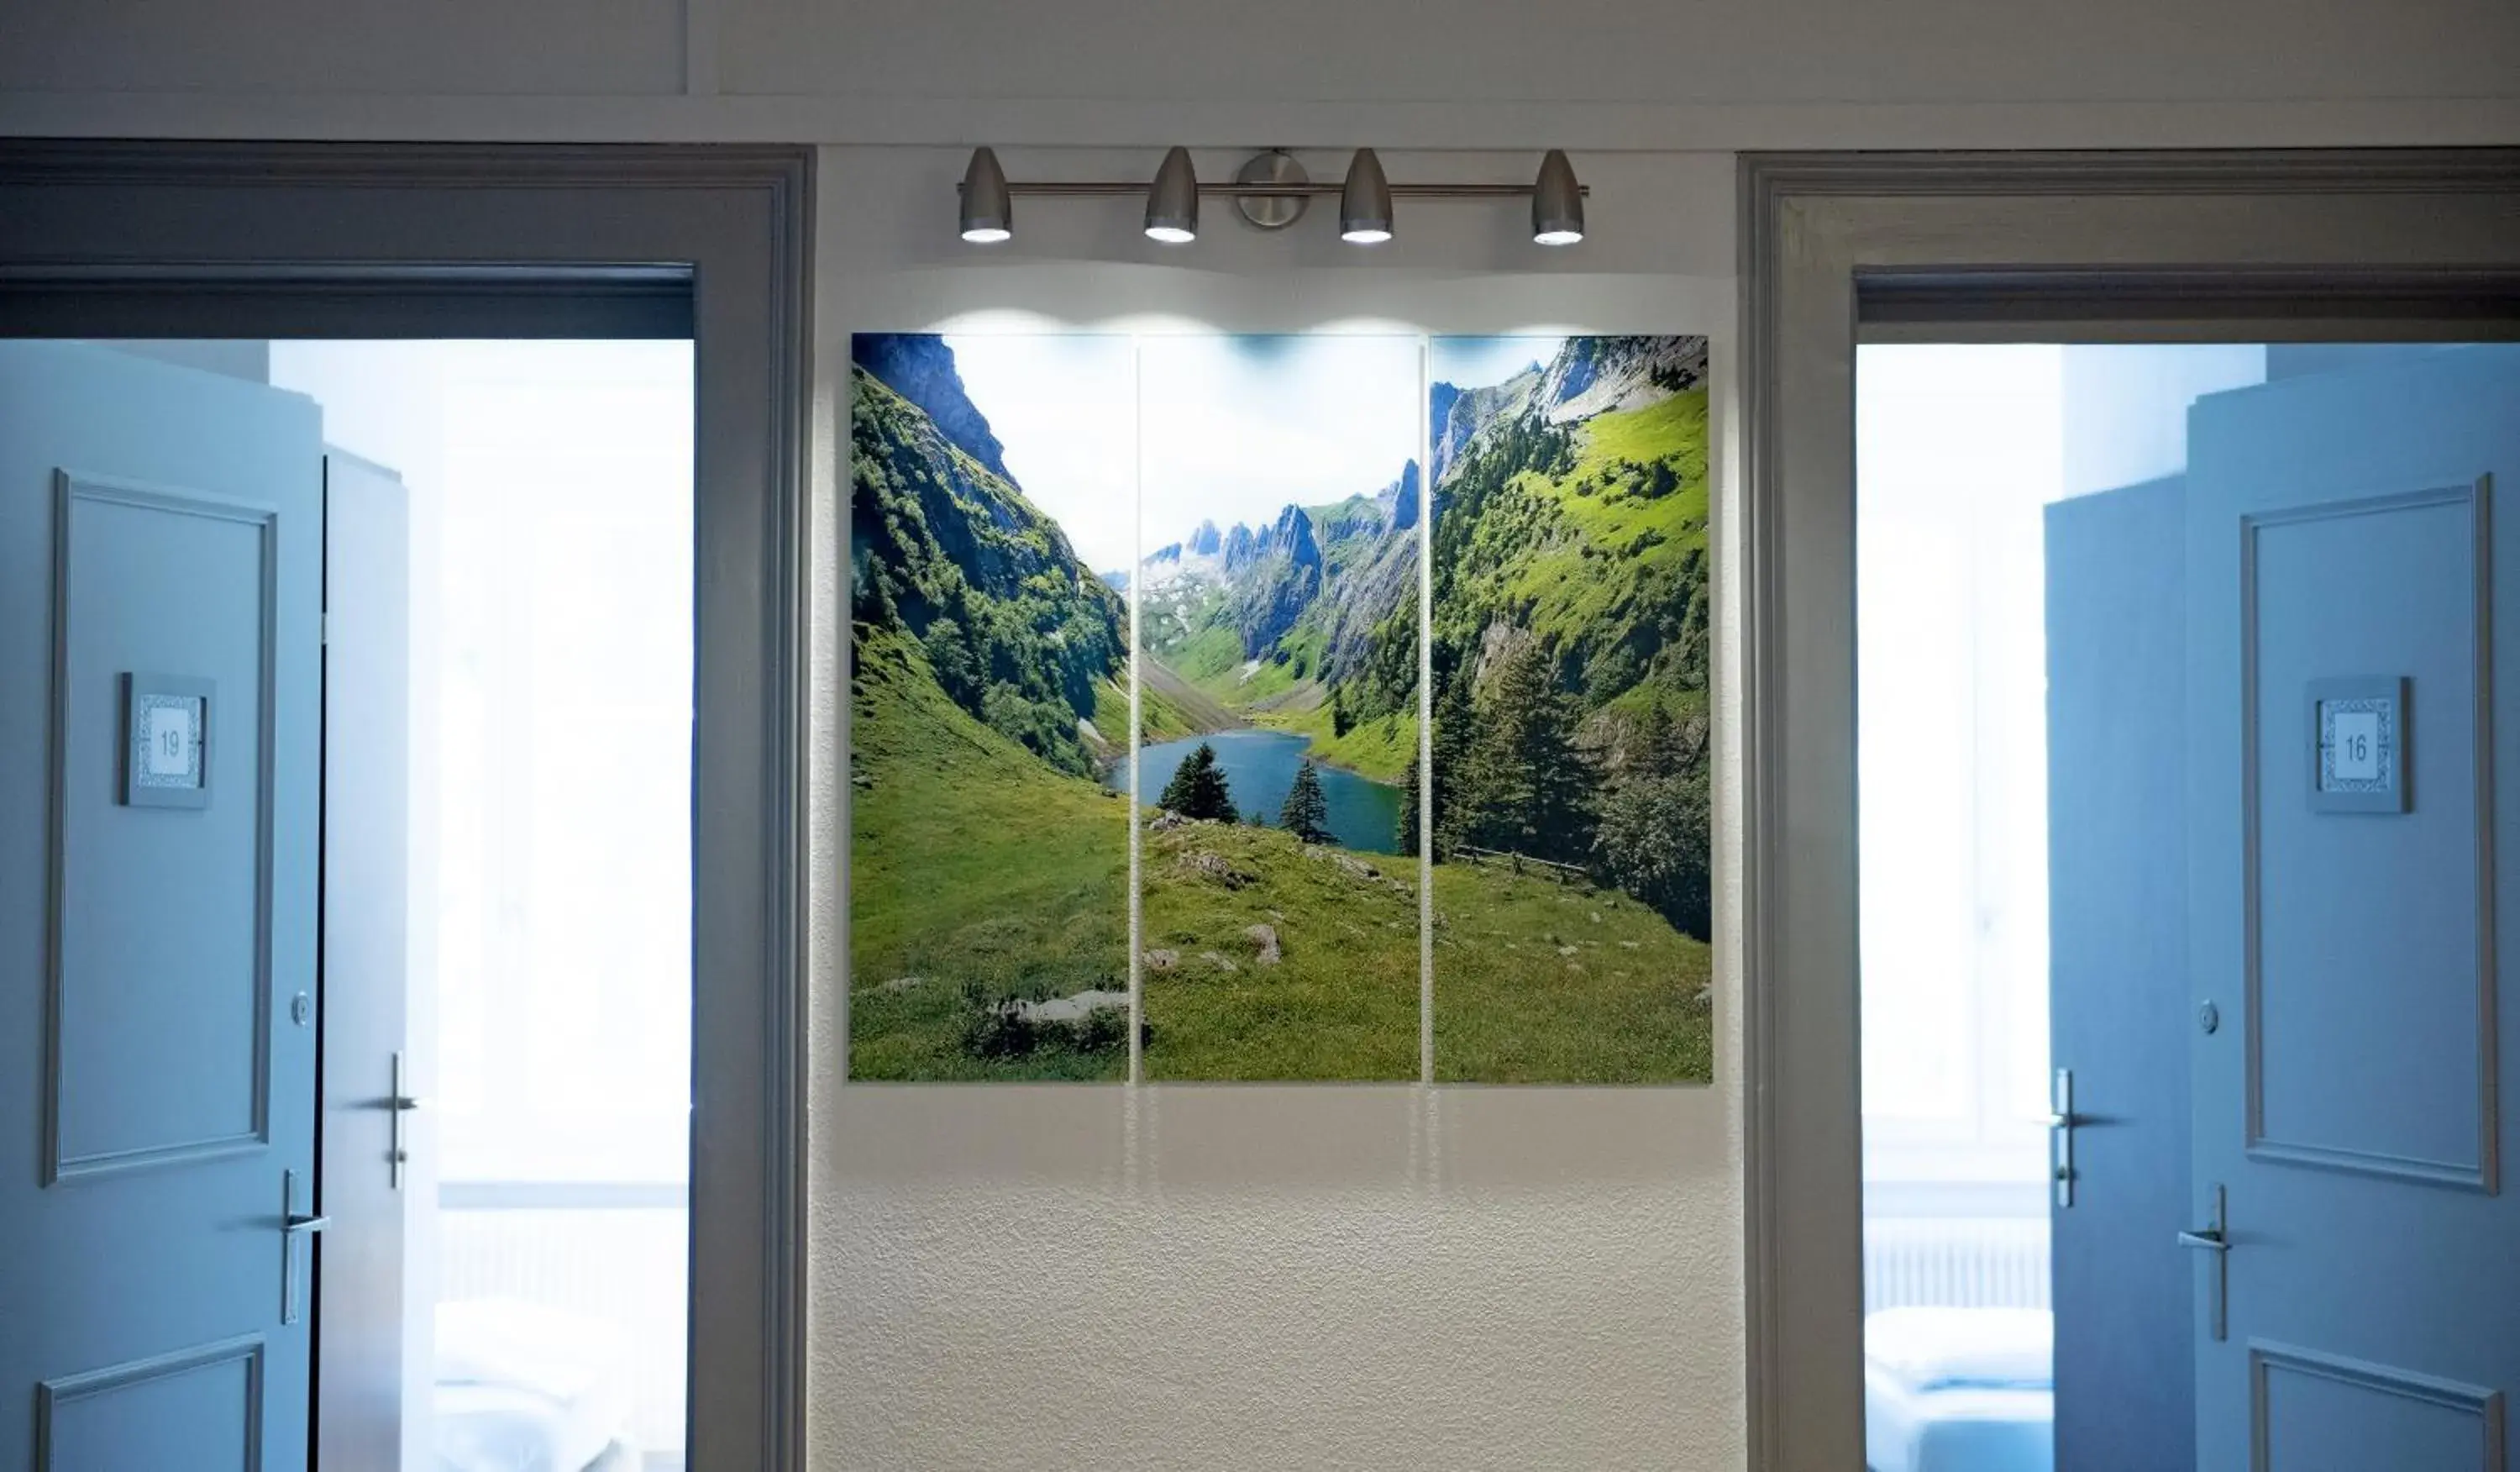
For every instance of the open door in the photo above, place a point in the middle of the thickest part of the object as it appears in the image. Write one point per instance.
(373, 1357)
(2118, 977)
(159, 628)
(2353, 1245)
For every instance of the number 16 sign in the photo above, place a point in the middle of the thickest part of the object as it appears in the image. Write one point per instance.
(2358, 745)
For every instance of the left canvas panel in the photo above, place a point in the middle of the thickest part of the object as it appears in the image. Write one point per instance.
(993, 502)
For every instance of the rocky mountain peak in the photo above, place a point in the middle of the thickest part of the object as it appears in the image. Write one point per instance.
(920, 367)
(1399, 501)
(1292, 536)
(1596, 375)
(1204, 542)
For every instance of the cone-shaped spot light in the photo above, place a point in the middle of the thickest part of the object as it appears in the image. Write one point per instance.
(988, 215)
(1556, 203)
(1364, 204)
(1172, 201)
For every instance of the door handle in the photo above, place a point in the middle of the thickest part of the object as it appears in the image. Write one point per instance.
(2215, 1237)
(2061, 1130)
(401, 1101)
(295, 1226)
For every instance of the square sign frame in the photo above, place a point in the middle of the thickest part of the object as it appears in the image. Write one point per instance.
(2358, 745)
(167, 722)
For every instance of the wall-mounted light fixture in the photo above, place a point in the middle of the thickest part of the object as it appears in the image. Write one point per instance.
(1364, 201)
(1172, 201)
(1556, 203)
(988, 215)
(1271, 192)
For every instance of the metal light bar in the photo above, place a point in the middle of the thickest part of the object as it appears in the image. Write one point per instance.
(1107, 189)
(1269, 192)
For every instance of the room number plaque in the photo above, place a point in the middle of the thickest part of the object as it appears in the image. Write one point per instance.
(165, 741)
(2358, 756)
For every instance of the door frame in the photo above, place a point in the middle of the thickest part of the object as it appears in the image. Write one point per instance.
(2216, 246)
(260, 239)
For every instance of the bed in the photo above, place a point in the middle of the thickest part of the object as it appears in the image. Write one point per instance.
(527, 1388)
(1960, 1389)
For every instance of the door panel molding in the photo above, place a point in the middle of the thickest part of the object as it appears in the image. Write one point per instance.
(2301, 238)
(71, 489)
(2481, 1172)
(158, 239)
(2269, 1358)
(54, 1397)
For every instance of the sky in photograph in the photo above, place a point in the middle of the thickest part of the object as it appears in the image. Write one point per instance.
(1234, 426)
(1477, 363)
(1063, 407)
(1237, 427)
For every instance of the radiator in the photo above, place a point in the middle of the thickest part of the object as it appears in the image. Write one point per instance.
(1955, 1261)
(626, 1268)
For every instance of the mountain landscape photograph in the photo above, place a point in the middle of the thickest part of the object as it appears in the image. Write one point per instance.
(1567, 635)
(1263, 502)
(1281, 528)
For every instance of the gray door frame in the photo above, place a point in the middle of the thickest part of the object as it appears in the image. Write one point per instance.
(170, 240)
(1837, 248)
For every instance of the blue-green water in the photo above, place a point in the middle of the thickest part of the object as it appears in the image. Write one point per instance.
(1259, 767)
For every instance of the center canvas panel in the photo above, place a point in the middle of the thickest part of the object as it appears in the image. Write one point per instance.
(1281, 541)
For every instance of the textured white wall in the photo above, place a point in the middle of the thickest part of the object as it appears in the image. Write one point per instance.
(1249, 1276)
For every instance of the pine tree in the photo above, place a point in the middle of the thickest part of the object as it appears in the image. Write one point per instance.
(1529, 785)
(1453, 738)
(1404, 834)
(1306, 813)
(874, 601)
(1199, 790)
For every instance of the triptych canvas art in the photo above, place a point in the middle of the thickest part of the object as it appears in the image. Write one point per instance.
(1401, 646)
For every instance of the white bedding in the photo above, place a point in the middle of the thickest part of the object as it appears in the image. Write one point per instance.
(524, 1388)
(1958, 1390)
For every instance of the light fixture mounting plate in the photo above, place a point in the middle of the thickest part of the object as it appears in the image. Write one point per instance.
(1272, 211)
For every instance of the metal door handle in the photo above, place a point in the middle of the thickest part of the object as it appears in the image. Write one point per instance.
(294, 1226)
(402, 1102)
(2215, 1237)
(2060, 1132)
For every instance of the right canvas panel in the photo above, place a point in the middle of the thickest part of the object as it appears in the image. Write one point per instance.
(1570, 735)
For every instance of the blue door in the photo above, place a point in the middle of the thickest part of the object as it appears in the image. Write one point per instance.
(2353, 1243)
(2125, 1394)
(159, 732)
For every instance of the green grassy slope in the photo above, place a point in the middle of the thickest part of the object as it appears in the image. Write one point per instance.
(1591, 559)
(1342, 1002)
(1379, 748)
(969, 861)
(1172, 706)
(1542, 983)
(1535, 982)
